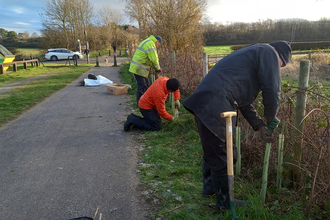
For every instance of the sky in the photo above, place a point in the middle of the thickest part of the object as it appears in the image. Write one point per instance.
(24, 15)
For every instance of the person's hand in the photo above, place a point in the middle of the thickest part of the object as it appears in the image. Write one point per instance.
(175, 115)
(174, 118)
(177, 104)
(272, 124)
(266, 135)
(159, 71)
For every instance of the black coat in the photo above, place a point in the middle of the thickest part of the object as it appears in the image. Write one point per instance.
(234, 83)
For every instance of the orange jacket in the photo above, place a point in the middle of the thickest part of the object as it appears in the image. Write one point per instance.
(155, 97)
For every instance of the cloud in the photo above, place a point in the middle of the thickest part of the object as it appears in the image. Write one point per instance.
(22, 23)
(18, 10)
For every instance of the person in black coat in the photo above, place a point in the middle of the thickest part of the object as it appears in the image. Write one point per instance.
(232, 85)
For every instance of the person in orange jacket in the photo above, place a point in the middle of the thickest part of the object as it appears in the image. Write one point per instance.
(152, 105)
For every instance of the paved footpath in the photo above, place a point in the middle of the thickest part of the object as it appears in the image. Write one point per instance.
(69, 155)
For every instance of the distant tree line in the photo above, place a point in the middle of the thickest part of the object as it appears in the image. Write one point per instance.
(292, 30)
(22, 40)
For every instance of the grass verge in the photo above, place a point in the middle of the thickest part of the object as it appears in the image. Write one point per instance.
(16, 102)
(30, 51)
(171, 168)
(217, 50)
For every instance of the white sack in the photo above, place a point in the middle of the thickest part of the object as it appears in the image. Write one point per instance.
(101, 80)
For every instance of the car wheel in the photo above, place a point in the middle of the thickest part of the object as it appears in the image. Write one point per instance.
(53, 58)
(76, 57)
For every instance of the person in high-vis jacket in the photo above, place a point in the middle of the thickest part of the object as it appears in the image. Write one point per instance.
(152, 105)
(145, 58)
(232, 85)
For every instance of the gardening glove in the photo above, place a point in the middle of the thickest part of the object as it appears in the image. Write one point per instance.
(158, 71)
(177, 104)
(266, 135)
(175, 115)
(174, 118)
(272, 124)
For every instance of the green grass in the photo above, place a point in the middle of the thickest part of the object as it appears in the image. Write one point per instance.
(16, 102)
(217, 50)
(171, 169)
(102, 52)
(11, 77)
(106, 52)
(29, 51)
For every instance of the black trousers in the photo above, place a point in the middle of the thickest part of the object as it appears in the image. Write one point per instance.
(215, 151)
(143, 84)
(150, 121)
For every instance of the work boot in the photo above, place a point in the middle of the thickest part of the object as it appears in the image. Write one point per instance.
(128, 123)
(220, 186)
(207, 182)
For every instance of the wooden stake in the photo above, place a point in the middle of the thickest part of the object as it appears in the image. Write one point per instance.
(97, 210)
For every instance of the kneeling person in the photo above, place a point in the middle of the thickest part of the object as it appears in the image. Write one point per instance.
(152, 105)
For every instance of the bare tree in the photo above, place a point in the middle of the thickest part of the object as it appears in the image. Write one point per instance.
(136, 10)
(57, 16)
(80, 17)
(106, 15)
(34, 35)
(26, 34)
(70, 17)
(177, 21)
(112, 19)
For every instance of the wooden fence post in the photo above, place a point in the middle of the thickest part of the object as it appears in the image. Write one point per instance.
(97, 61)
(205, 64)
(114, 60)
(298, 120)
(130, 49)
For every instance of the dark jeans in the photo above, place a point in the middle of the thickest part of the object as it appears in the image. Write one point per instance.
(215, 151)
(150, 121)
(143, 84)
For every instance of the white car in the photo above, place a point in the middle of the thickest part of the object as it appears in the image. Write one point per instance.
(62, 54)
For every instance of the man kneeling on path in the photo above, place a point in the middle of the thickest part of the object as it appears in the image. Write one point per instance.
(152, 105)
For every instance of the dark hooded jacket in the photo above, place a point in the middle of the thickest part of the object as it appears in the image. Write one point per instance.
(234, 83)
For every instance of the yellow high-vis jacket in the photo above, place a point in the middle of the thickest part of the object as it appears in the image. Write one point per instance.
(145, 57)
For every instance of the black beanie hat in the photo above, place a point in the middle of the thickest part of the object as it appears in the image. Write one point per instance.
(172, 84)
(160, 39)
(283, 49)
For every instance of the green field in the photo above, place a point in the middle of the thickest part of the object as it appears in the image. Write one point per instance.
(217, 50)
(30, 51)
